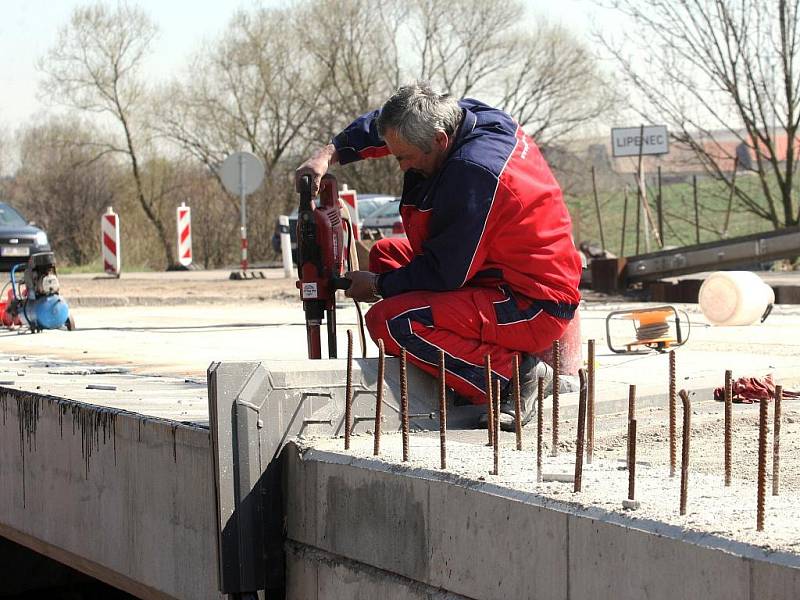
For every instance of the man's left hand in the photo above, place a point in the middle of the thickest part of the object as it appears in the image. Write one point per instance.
(362, 288)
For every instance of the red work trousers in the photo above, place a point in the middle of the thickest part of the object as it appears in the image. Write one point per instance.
(468, 324)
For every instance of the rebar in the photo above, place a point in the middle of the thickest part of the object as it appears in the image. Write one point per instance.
(728, 425)
(348, 391)
(673, 442)
(442, 412)
(762, 462)
(776, 442)
(487, 367)
(539, 427)
(404, 401)
(556, 385)
(517, 403)
(632, 459)
(581, 430)
(496, 445)
(631, 402)
(376, 450)
(590, 405)
(687, 436)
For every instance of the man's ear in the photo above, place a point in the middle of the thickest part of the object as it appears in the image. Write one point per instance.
(441, 139)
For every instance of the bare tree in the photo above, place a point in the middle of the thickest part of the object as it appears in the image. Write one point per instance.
(461, 46)
(553, 85)
(252, 90)
(716, 69)
(64, 186)
(94, 67)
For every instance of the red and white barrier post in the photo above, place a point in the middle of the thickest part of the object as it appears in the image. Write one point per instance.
(351, 198)
(184, 220)
(109, 240)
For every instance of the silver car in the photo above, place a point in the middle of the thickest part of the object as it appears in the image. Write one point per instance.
(386, 220)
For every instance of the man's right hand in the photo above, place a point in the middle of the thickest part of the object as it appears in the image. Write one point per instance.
(316, 167)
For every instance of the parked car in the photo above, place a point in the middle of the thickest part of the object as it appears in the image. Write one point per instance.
(385, 221)
(367, 205)
(18, 238)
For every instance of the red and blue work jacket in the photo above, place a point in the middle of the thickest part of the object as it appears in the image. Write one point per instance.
(493, 215)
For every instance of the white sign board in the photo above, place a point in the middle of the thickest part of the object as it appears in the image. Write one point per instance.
(627, 141)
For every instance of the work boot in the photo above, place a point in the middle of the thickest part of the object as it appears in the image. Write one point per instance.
(530, 370)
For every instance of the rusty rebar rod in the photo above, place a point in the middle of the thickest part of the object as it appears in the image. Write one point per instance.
(404, 401)
(763, 413)
(728, 425)
(631, 402)
(590, 405)
(673, 442)
(581, 431)
(632, 459)
(539, 427)
(496, 445)
(376, 449)
(348, 391)
(442, 412)
(776, 442)
(487, 367)
(556, 385)
(517, 403)
(687, 436)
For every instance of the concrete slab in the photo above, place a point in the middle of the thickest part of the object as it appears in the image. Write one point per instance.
(122, 497)
(486, 541)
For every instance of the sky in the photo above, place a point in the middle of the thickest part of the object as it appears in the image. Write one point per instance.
(29, 28)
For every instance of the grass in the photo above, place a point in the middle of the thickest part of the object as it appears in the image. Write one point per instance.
(678, 210)
(96, 266)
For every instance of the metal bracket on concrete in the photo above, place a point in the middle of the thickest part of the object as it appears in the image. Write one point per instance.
(254, 409)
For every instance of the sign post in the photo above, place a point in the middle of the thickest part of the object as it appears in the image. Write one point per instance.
(184, 222)
(639, 141)
(241, 174)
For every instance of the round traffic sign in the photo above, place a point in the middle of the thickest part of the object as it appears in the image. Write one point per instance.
(241, 173)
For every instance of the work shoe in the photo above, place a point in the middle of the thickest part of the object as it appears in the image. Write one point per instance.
(529, 372)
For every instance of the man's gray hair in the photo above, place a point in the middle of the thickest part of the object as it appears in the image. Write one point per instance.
(416, 112)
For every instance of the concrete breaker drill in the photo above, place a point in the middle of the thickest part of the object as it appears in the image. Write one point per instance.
(320, 244)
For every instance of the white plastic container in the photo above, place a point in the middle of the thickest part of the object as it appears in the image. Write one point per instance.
(734, 298)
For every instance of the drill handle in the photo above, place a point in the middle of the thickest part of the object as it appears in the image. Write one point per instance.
(341, 283)
(306, 192)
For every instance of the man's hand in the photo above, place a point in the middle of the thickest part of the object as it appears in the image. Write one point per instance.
(363, 286)
(316, 166)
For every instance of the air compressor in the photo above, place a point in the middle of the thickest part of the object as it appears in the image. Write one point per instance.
(36, 301)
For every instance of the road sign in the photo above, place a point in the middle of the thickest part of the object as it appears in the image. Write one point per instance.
(629, 141)
(241, 173)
